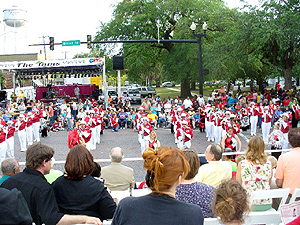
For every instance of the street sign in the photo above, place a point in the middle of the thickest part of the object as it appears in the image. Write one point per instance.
(70, 43)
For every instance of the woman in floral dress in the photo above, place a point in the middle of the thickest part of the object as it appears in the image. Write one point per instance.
(255, 172)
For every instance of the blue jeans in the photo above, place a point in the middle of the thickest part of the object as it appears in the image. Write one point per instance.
(115, 129)
(259, 121)
(161, 120)
(51, 120)
(69, 123)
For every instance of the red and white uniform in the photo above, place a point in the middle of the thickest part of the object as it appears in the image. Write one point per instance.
(86, 134)
(253, 112)
(29, 131)
(20, 126)
(285, 127)
(36, 126)
(218, 128)
(145, 129)
(93, 123)
(266, 124)
(99, 125)
(10, 141)
(209, 125)
(2, 144)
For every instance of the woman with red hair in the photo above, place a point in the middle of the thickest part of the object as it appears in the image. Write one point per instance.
(166, 167)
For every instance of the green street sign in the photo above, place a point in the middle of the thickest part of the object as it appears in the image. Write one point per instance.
(70, 43)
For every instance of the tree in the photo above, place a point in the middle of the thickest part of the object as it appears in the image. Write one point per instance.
(135, 20)
(273, 32)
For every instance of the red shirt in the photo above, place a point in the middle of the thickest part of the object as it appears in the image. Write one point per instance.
(2, 136)
(10, 132)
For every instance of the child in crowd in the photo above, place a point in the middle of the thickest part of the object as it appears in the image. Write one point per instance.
(230, 203)
(273, 161)
(276, 139)
(44, 127)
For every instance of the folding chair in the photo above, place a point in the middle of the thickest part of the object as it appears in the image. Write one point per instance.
(274, 193)
(295, 195)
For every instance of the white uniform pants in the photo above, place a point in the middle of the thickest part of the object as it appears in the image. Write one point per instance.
(36, 131)
(29, 135)
(93, 138)
(10, 144)
(285, 143)
(89, 144)
(22, 139)
(265, 129)
(98, 131)
(218, 134)
(187, 144)
(209, 127)
(2, 151)
(253, 124)
(143, 143)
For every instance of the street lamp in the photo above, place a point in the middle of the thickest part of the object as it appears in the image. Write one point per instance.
(199, 36)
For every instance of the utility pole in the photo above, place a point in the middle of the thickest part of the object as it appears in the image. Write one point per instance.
(44, 36)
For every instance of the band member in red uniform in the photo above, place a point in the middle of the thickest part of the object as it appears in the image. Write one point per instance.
(266, 123)
(187, 135)
(230, 140)
(145, 129)
(36, 124)
(218, 127)
(93, 124)
(10, 140)
(20, 126)
(2, 143)
(29, 132)
(253, 112)
(86, 134)
(285, 125)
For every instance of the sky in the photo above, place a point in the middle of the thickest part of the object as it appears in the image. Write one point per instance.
(62, 19)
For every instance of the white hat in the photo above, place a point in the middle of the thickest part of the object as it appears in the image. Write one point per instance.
(10, 121)
(232, 116)
(252, 103)
(183, 115)
(266, 108)
(179, 109)
(145, 118)
(22, 116)
(285, 114)
(227, 112)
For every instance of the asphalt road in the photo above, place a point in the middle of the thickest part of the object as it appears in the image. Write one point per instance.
(127, 140)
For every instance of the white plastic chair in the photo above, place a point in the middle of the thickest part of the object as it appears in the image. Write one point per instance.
(211, 221)
(274, 193)
(263, 217)
(295, 195)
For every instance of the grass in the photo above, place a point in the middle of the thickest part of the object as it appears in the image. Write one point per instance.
(166, 92)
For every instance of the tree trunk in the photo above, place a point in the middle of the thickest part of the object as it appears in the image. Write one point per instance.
(157, 83)
(185, 87)
(260, 82)
(193, 86)
(288, 78)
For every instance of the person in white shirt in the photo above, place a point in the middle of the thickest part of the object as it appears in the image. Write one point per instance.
(187, 103)
(200, 100)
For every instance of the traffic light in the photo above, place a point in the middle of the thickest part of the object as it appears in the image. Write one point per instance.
(89, 41)
(51, 40)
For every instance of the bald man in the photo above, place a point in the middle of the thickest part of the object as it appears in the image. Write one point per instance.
(116, 176)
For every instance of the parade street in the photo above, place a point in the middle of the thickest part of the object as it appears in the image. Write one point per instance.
(127, 140)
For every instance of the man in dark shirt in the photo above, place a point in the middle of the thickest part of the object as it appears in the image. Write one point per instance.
(13, 208)
(38, 192)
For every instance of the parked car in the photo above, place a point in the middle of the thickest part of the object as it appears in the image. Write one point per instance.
(111, 93)
(151, 91)
(135, 95)
(167, 84)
